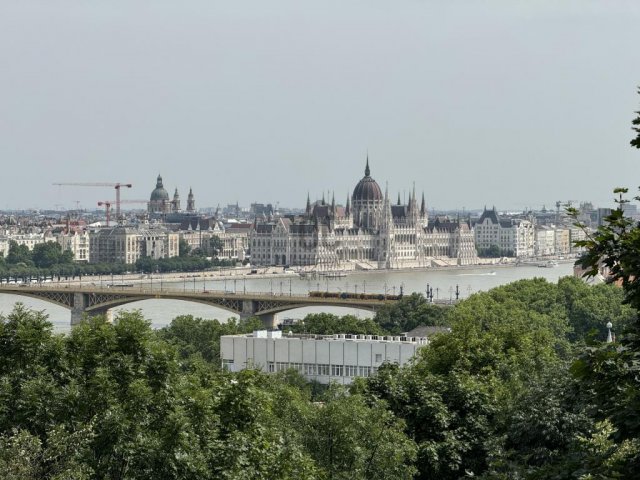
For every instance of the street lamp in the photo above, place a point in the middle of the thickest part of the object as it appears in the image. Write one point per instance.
(609, 337)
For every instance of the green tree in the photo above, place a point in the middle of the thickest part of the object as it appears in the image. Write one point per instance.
(183, 248)
(48, 254)
(610, 373)
(459, 398)
(589, 308)
(409, 313)
(493, 251)
(329, 324)
(146, 265)
(192, 335)
(350, 439)
(215, 245)
(18, 254)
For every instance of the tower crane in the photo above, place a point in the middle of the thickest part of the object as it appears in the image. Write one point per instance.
(116, 185)
(107, 205)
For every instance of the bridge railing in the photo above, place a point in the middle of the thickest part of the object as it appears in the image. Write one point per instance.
(162, 290)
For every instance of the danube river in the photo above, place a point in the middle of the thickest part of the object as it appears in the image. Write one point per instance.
(443, 281)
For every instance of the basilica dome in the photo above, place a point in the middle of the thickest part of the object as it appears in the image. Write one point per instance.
(159, 194)
(367, 189)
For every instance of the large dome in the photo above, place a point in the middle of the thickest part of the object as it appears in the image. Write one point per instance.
(367, 189)
(159, 194)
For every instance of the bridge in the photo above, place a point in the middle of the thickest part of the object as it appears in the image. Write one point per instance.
(97, 300)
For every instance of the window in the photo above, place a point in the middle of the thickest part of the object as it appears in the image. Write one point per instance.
(337, 370)
(350, 371)
(310, 369)
(378, 357)
(297, 367)
(323, 369)
(364, 371)
(281, 366)
(227, 365)
(271, 367)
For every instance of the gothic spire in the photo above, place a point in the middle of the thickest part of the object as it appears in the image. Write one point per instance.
(333, 203)
(367, 171)
(308, 204)
(399, 199)
(348, 208)
(422, 206)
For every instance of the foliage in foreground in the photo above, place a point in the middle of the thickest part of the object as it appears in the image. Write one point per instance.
(118, 401)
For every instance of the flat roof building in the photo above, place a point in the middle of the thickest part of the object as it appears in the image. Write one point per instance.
(323, 358)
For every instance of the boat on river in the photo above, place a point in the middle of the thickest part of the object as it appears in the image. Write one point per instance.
(548, 264)
(334, 274)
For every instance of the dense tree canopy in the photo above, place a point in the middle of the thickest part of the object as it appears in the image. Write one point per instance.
(328, 324)
(494, 397)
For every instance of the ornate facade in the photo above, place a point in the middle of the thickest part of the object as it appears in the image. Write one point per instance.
(368, 233)
(512, 237)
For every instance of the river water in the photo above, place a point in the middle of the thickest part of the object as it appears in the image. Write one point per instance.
(444, 283)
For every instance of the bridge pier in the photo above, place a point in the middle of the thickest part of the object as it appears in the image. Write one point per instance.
(80, 303)
(79, 309)
(269, 320)
(249, 308)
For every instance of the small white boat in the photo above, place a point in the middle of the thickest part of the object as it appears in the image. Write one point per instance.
(548, 264)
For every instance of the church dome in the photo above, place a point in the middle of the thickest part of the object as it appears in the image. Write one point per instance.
(367, 189)
(159, 194)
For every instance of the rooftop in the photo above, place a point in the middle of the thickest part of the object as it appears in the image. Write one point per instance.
(278, 334)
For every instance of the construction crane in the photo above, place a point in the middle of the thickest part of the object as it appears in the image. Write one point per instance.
(117, 186)
(107, 205)
(559, 204)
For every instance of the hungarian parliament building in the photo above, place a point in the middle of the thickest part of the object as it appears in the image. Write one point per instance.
(369, 232)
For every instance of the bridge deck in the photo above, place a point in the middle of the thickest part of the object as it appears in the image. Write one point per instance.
(185, 294)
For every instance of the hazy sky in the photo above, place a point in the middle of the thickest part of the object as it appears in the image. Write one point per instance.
(512, 103)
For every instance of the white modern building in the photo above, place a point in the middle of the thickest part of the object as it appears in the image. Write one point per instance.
(323, 358)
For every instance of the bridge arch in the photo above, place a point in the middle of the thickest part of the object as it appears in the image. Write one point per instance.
(96, 300)
(125, 301)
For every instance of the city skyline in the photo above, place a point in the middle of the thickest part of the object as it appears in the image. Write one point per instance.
(515, 105)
